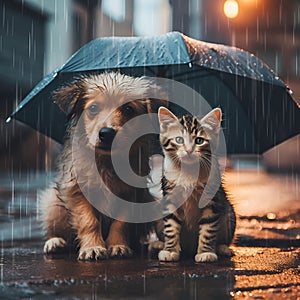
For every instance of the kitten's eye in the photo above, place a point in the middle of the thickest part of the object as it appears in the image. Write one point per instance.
(179, 140)
(93, 109)
(199, 141)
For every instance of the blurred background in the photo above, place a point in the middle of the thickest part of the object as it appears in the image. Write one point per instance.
(37, 36)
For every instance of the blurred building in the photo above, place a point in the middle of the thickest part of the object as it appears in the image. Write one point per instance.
(38, 36)
(269, 29)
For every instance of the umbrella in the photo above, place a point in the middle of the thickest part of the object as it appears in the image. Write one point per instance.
(259, 109)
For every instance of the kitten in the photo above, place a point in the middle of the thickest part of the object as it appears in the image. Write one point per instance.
(187, 144)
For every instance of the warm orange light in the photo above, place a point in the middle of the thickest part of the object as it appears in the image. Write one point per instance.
(231, 9)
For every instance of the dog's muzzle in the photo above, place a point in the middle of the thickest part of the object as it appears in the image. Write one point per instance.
(106, 136)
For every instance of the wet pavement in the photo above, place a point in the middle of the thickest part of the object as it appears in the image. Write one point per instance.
(266, 264)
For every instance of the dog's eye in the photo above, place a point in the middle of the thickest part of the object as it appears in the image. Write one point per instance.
(128, 110)
(93, 109)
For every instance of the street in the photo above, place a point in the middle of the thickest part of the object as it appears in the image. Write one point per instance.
(266, 264)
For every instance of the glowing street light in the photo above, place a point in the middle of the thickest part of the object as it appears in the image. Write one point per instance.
(231, 9)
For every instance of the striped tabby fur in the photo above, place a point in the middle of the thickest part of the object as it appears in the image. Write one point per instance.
(186, 142)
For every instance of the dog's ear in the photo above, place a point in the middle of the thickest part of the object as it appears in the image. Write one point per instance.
(67, 96)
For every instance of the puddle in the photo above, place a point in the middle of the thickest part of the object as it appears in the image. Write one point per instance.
(159, 288)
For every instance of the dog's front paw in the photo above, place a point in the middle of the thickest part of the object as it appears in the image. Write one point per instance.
(92, 253)
(206, 257)
(165, 255)
(54, 245)
(119, 251)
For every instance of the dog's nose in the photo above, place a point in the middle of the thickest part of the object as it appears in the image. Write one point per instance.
(106, 135)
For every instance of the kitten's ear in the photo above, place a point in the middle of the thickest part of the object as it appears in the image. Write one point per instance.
(165, 116)
(212, 121)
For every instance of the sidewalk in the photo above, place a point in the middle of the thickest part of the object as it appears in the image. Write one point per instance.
(266, 264)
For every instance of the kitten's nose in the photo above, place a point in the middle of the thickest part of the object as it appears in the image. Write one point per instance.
(189, 150)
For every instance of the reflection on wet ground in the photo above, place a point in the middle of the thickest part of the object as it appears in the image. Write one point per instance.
(265, 265)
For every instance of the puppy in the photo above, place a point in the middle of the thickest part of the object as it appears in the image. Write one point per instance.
(97, 107)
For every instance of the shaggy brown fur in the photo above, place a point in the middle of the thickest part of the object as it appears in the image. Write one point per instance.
(98, 100)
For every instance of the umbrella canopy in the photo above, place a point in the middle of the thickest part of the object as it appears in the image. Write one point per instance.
(259, 109)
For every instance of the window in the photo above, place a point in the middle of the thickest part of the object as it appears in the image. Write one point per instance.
(151, 17)
(115, 9)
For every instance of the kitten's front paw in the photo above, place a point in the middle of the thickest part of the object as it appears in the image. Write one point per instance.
(224, 250)
(165, 255)
(156, 245)
(54, 245)
(206, 257)
(90, 253)
(119, 251)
